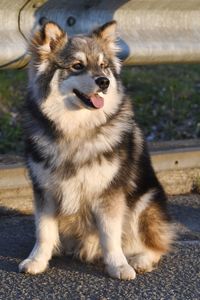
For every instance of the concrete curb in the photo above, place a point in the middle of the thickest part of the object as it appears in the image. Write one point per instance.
(15, 189)
(178, 172)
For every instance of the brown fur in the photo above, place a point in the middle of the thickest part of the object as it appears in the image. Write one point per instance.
(41, 38)
(153, 229)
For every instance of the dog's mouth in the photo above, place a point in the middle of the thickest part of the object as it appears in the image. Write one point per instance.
(94, 100)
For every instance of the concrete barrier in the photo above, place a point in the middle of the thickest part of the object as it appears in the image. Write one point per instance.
(178, 171)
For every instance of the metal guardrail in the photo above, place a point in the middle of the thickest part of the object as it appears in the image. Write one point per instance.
(151, 31)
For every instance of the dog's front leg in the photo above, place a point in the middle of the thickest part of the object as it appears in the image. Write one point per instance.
(47, 239)
(109, 217)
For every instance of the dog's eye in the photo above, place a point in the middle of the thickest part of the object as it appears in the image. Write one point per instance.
(78, 66)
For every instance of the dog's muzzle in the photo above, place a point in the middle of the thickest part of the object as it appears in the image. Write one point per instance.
(94, 100)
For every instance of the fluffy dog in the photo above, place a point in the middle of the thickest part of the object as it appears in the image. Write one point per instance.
(96, 194)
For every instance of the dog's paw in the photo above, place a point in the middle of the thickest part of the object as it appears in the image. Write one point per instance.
(142, 263)
(124, 272)
(32, 266)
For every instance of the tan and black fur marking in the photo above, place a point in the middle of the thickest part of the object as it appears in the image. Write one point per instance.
(96, 193)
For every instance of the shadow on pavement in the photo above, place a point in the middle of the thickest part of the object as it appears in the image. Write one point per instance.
(17, 238)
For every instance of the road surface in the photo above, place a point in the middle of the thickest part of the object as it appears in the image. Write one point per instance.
(178, 275)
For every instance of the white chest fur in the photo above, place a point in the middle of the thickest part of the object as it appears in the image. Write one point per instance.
(88, 183)
(85, 185)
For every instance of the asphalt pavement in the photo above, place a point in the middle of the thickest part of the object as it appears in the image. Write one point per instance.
(177, 277)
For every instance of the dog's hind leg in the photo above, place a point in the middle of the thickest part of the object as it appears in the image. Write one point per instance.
(152, 234)
(145, 261)
(47, 239)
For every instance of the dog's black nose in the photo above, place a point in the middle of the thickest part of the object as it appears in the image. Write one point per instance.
(102, 82)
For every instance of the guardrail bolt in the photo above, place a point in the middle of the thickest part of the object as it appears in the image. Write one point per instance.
(71, 21)
(43, 20)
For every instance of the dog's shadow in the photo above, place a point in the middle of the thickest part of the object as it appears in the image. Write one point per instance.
(17, 238)
(187, 220)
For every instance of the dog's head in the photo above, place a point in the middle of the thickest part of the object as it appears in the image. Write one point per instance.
(83, 69)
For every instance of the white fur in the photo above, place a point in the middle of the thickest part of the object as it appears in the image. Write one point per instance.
(88, 183)
(93, 178)
(105, 141)
(110, 231)
(68, 112)
(100, 58)
(145, 261)
(143, 203)
(117, 63)
(45, 48)
(47, 239)
(81, 56)
(65, 109)
(135, 244)
(42, 67)
(81, 149)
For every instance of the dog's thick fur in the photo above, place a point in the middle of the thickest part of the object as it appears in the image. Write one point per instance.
(96, 194)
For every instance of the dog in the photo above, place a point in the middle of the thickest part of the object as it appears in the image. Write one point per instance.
(96, 194)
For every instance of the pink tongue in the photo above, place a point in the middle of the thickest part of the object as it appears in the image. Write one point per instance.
(97, 101)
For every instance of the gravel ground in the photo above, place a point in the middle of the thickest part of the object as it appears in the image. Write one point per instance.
(177, 276)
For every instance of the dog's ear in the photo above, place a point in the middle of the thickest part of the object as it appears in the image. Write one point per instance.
(48, 40)
(108, 35)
